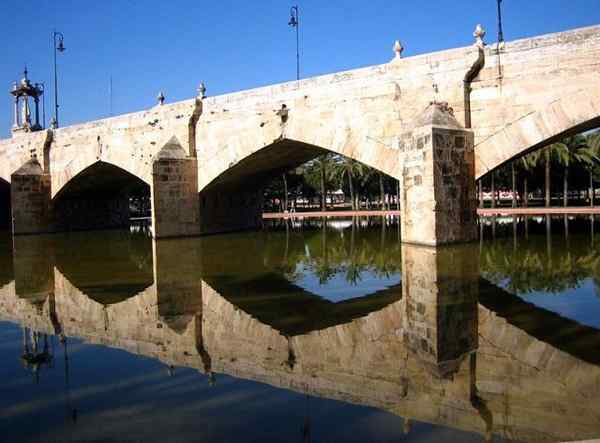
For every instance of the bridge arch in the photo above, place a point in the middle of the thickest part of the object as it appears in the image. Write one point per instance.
(93, 155)
(567, 115)
(346, 129)
(233, 198)
(97, 197)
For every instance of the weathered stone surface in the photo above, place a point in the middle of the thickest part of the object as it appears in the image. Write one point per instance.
(174, 193)
(438, 184)
(30, 199)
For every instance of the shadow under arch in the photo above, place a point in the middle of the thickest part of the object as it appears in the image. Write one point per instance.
(231, 193)
(5, 205)
(98, 197)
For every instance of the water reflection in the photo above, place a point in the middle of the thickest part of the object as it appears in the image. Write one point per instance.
(545, 260)
(442, 347)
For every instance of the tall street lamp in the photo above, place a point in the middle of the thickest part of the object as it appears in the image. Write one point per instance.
(295, 23)
(57, 38)
(500, 33)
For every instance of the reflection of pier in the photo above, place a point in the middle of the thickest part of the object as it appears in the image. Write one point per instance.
(432, 355)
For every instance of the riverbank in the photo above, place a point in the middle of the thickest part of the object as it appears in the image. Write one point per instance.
(313, 214)
(481, 211)
(540, 210)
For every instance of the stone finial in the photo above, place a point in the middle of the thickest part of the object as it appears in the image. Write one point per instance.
(398, 48)
(161, 98)
(201, 90)
(479, 34)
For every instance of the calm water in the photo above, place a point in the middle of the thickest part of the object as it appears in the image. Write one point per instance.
(306, 332)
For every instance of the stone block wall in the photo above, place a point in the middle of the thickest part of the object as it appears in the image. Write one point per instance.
(175, 197)
(455, 195)
(30, 199)
(438, 180)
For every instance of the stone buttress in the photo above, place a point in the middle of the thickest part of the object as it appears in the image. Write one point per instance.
(438, 180)
(30, 199)
(175, 205)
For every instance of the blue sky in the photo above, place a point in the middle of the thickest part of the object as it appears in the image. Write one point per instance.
(151, 45)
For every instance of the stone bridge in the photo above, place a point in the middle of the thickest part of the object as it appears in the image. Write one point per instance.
(436, 122)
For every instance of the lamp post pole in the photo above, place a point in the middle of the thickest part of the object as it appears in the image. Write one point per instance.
(57, 40)
(500, 33)
(295, 23)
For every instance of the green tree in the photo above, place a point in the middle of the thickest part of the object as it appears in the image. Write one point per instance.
(526, 165)
(569, 152)
(593, 142)
(345, 168)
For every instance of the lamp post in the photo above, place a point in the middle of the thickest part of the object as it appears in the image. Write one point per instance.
(500, 33)
(295, 23)
(57, 40)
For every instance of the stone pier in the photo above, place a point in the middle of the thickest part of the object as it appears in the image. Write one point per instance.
(30, 199)
(437, 186)
(175, 210)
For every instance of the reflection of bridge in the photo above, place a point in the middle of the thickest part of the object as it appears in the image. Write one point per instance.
(205, 160)
(433, 355)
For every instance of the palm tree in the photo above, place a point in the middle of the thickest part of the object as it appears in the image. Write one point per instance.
(324, 163)
(381, 192)
(570, 151)
(547, 153)
(285, 192)
(347, 168)
(527, 164)
(513, 174)
(593, 141)
(493, 187)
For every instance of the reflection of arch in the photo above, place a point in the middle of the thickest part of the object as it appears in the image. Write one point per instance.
(579, 340)
(291, 310)
(4, 204)
(565, 116)
(106, 271)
